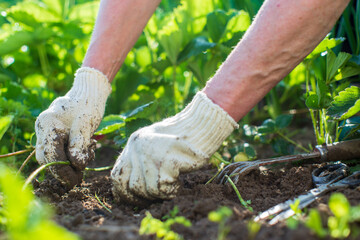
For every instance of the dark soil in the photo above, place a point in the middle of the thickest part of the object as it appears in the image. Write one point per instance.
(79, 211)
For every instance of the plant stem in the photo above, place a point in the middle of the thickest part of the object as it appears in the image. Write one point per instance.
(44, 62)
(242, 201)
(174, 88)
(15, 153)
(217, 173)
(314, 122)
(42, 167)
(26, 161)
(99, 169)
(293, 142)
(102, 204)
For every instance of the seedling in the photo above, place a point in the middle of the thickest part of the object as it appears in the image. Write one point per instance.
(242, 201)
(342, 224)
(221, 216)
(162, 229)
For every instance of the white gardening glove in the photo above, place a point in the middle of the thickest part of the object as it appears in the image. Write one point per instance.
(154, 156)
(65, 129)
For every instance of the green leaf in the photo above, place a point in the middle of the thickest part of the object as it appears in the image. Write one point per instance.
(346, 104)
(30, 13)
(339, 205)
(268, 126)
(5, 123)
(283, 121)
(239, 23)
(85, 12)
(334, 63)
(314, 223)
(110, 124)
(323, 93)
(143, 111)
(56, 6)
(171, 38)
(282, 147)
(351, 69)
(216, 24)
(194, 48)
(325, 44)
(143, 56)
(312, 102)
(14, 41)
(355, 213)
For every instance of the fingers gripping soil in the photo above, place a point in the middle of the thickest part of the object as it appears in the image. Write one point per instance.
(52, 142)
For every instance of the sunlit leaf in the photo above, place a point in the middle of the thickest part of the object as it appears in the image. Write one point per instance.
(56, 6)
(143, 56)
(14, 41)
(351, 69)
(34, 81)
(27, 218)
(170, 37)
(327, 43)
(29, 11)
(5, 123)
(334, 63)
(339, 205)
(239, 23)
(346, 104)
(85, 12)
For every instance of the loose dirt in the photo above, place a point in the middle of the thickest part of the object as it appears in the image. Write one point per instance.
(79, 211)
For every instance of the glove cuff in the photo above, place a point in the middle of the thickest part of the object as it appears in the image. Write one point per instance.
(203, 124)
(91, 83)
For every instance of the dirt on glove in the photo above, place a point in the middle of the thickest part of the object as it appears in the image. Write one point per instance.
(79, 211)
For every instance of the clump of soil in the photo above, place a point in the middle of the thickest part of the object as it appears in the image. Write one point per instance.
(79, 211)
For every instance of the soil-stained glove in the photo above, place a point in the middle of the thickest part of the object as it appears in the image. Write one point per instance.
(154, 156)
(65, 129)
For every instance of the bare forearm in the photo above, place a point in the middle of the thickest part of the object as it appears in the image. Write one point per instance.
(282, 34)
(118, 26)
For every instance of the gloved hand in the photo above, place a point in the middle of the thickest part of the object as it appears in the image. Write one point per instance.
(65, 129)
(149, 166)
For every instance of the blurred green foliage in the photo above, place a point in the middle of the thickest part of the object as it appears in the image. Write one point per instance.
(21, 215)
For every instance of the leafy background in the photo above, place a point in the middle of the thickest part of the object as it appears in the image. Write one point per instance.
(42, 43)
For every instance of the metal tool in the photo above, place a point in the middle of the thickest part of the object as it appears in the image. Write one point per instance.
(346, 150)
(327, 178)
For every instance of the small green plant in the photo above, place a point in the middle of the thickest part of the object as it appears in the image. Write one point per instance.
(22, 216)
(221, 216)
(253, 229)
(294, 221)
(276, 133)
(247, 203)
(162, 229)
(341, 224)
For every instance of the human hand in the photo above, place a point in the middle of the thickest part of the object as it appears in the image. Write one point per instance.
(149, 166)
(65, 129)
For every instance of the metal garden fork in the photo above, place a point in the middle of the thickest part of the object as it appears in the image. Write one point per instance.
(323, 153)
(327, 178)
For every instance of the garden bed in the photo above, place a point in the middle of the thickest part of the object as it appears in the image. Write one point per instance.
(79, 210)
